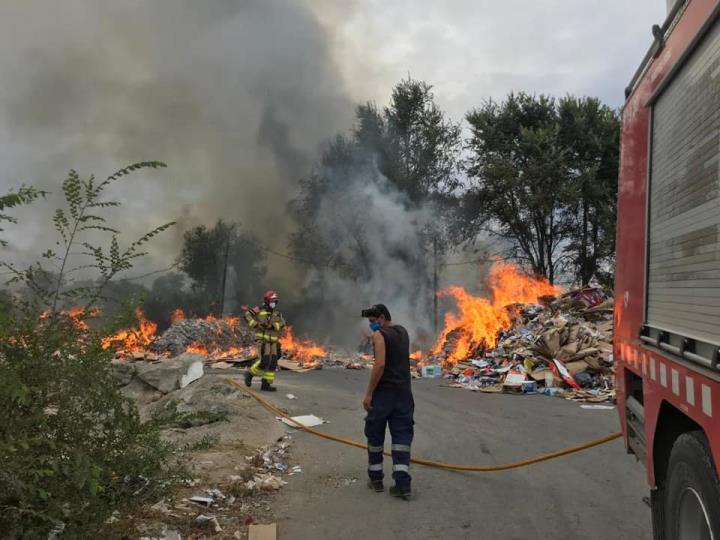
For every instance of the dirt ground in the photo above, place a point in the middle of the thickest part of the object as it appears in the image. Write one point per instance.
(227, 440)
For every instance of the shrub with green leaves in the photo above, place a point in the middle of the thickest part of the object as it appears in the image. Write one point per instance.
(72, 448)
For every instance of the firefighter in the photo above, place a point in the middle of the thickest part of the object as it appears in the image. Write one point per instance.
(389, 402)
(268, 323)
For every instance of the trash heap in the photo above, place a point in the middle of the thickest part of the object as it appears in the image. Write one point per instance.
(212, 335)
(561, 347)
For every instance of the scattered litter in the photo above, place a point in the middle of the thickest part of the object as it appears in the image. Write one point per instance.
(205, 501)
(308, 420)
(290, 396)
(114, 517)
(598, 407)
(262, 532)
(431, 371)
(212, 521)
(265, 482)
(221, 365)
(168, 534)
(295, 470)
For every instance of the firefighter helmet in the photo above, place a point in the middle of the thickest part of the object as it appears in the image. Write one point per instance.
(270, 296)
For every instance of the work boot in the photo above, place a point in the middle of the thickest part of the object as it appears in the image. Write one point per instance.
(248, 379)
(267, 387)
(376, 485)
(401, 492)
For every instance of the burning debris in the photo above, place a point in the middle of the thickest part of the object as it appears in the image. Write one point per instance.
(526, 336)
(303, 351)
(481, 319)
(219, 339)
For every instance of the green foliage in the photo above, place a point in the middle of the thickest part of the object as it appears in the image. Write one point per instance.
(171, 417)
(206, 442)
(72, 448)
(24, 195)
(541, 176)
(591, 133)
(203, 258)
(73, 222)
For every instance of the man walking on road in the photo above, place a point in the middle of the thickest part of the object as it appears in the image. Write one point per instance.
(389, 401)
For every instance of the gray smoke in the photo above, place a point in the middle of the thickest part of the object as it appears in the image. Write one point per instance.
(384, 245)
(236, 96)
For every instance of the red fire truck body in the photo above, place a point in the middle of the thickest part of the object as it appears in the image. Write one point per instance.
(667, 313)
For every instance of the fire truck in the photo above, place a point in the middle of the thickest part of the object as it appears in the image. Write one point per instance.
(667, 285)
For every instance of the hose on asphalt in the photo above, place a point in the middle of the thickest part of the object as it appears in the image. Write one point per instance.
(427, 462)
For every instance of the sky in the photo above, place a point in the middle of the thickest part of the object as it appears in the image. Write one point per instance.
(239, 97)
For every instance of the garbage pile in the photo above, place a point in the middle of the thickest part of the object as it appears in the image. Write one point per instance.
(562, 347)
(203, 336)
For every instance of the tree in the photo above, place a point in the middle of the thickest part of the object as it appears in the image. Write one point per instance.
(368, 216)
(518, 184)
(203, 259)
(542, 176)
(591, 133)
(415, 146)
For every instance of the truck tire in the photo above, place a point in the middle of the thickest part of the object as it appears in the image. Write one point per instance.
(692, 491)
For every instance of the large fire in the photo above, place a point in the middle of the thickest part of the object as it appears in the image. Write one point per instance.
(303, 350)
(138, 340)
(133, 340)
(480, 319)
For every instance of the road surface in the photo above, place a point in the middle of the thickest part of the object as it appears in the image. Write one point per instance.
(596, 494)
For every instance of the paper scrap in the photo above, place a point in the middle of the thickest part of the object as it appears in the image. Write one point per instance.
(262, 532)
(307, 420)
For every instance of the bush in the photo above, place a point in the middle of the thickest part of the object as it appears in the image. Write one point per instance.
(73, 448)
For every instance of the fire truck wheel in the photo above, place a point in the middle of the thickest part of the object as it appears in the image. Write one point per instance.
(692, 491)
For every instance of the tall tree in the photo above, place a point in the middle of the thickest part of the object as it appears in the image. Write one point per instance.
(517, 175)
(590, 132)
(225, 254)
(362, 210)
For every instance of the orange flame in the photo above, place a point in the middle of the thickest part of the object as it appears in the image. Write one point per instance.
(480, 319)
(303, 350)
(76, 315)
(133, 339)
(177, 315)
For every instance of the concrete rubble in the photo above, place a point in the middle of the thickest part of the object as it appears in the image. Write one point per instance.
(164, 376)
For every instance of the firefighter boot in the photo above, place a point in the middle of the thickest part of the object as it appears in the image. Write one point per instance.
(248, 378)
(267, 387)
(376, 485)
(401, 492)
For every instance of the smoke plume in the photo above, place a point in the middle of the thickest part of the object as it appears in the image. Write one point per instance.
(236, 97)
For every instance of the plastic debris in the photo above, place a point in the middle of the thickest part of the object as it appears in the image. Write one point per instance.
(562, 347)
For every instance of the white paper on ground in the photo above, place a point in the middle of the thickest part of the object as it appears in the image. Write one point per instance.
(598, 407)
(308, 420)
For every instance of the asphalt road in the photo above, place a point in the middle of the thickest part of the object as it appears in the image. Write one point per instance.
(596, 494)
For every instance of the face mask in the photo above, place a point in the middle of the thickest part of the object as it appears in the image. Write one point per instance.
(273, 304)
(375, 326)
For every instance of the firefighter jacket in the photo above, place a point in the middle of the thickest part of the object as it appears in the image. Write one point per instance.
(268, 325)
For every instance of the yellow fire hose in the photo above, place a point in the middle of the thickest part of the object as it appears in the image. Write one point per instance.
(429, 463)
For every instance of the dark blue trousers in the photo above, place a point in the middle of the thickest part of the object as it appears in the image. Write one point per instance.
(394, 408)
